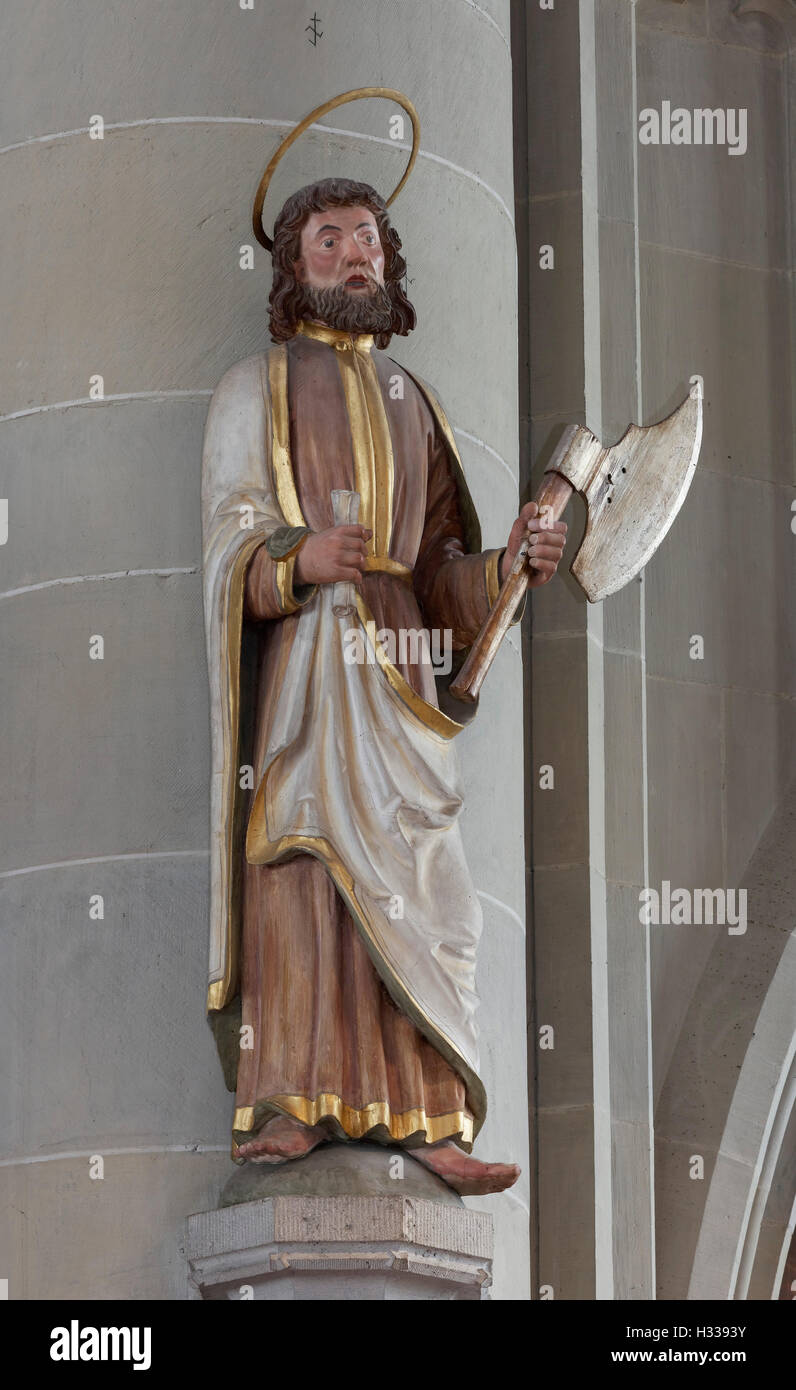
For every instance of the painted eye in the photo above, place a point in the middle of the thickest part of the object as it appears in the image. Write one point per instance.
(328, 243)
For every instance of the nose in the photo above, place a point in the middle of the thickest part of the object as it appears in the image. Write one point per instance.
(356, 253)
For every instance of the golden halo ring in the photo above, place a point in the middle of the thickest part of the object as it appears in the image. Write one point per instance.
(356, 95)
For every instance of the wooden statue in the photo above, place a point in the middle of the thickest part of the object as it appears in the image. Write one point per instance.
(344, 919)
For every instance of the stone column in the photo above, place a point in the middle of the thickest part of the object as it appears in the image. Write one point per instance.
(127, 267)
(716, 266)
(591, 957)
(670, 763)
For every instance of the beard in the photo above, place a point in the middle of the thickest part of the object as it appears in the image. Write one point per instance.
(350, 312)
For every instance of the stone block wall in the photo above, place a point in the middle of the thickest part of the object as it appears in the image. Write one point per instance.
(126, 265)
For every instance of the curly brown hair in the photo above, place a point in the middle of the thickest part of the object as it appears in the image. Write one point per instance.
(286, 292)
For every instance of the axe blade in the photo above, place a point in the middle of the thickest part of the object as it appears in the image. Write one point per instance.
(633, 492)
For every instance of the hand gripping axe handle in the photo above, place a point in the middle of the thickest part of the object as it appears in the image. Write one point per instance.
(633, 492)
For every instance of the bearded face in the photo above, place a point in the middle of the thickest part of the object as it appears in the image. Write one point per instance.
(337, 261)
(351, 311)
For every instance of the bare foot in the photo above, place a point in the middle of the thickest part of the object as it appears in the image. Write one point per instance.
(467, 1176)
(281, 1139)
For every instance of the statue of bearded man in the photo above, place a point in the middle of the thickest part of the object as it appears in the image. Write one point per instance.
(344, 922)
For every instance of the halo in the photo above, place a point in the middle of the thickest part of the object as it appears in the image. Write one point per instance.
(355, 95)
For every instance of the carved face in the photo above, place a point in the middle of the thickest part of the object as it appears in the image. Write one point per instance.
(330, 232)
(341, 247)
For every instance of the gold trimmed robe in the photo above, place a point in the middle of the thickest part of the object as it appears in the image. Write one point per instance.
(338, 1033)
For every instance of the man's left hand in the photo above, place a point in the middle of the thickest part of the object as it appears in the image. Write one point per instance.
(547, 540)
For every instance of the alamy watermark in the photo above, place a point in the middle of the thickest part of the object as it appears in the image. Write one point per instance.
(409, 646)
(702, 126)
(693, 906)
(76, 1343)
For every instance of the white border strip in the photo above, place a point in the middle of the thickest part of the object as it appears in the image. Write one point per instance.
(105, 400)
(96, 578)
(116, 1153)
(280, 125)
(479, 9)
(498, 902)
(473, 438)
(108, 859)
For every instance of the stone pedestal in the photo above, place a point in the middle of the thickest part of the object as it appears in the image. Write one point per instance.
(348, 1222)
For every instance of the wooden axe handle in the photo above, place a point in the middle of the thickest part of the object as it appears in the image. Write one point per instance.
(554, 494)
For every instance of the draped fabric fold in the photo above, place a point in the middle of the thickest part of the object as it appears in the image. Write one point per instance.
(360, 770)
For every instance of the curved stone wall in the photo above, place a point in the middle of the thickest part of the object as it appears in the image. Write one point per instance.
(126, 265)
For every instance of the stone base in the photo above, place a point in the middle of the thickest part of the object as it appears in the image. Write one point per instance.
(349, 1221)
(358, 1169)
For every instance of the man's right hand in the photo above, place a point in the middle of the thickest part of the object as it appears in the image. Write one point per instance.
(326, 557)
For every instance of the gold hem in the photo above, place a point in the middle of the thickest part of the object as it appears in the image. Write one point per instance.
(382, 564)
(493, 558)
(284, 583)
(261, 850)
(335, 337)
(356, 1123)
(282, 468)
(433, 719)
(216, 995)
(220, 990)
(371, 446)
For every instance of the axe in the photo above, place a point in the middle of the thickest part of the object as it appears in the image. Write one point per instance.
(633, 491)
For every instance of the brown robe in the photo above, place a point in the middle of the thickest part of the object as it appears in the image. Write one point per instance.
(330, 1045)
